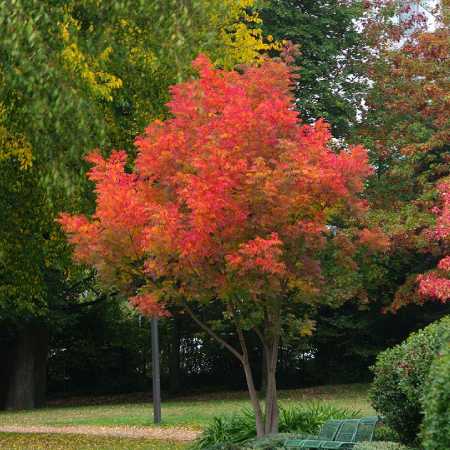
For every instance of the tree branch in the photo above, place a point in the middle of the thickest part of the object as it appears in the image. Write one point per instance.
(232, 312)
(213, 334)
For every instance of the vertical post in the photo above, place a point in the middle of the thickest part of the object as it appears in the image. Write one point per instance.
(156, 372)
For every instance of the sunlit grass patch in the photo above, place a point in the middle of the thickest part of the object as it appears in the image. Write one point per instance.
(190, 411)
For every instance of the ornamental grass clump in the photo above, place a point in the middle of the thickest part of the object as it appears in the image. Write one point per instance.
(240, 429)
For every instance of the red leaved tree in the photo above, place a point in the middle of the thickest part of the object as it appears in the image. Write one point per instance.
(436, 284)
(229, 201)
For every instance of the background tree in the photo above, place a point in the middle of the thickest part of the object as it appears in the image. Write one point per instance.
(69, 77)
(406, 128)
(332, 56)
(402, 192)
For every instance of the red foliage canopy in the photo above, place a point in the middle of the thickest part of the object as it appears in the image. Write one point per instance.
(436, 284)
(232, 194)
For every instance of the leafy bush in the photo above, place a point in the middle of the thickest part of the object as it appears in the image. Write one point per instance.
(228, 429)
(401, 374)
(269, 442)
(239, 428)
(381, 446)
(309, 418)
(385, 433)
(436, 425)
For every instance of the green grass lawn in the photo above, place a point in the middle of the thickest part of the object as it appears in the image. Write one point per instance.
(193, 412)
(15, 441)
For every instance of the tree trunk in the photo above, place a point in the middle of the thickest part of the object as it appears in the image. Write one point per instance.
(259, 419)
(5, 368)
(271, 410)
(28, 370)
(243, 358)
(253, 396)
(270, 340)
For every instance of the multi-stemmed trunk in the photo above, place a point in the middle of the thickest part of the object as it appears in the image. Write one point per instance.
(267, 420)
(266, 423)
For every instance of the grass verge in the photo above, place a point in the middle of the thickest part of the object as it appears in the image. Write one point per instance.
(41, 441)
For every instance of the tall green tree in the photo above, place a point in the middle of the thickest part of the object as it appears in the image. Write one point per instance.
(331, 59)
(70, 72)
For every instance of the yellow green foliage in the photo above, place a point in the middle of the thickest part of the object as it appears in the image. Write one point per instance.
(14, 145)
(153, 53)
(238, 39)
(239, 32)
(109, 69)
(88, 67)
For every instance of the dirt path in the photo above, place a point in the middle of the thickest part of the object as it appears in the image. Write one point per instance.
(172, 433)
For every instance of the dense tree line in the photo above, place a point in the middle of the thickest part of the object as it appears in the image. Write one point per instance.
(80, 75)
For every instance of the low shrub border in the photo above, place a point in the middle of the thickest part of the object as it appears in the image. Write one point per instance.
(401, 374)
(436, 401)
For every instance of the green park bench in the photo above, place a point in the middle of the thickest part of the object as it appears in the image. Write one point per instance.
(338, 434)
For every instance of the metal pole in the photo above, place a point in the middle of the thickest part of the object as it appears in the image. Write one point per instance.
(156, 373)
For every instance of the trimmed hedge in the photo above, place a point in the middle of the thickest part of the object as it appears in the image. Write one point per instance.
(401, 375)
(436, 424)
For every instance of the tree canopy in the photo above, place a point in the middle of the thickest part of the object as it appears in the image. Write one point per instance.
(231, 199)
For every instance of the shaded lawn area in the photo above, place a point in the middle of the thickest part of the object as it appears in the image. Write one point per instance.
(38, 441)
(193, 412)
